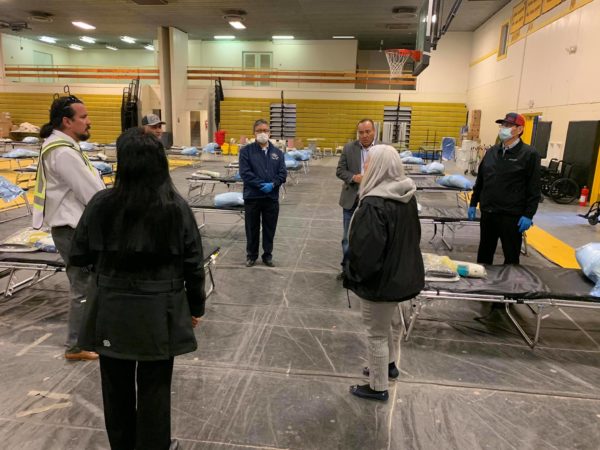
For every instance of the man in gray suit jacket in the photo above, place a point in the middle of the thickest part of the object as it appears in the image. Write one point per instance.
(350, 170)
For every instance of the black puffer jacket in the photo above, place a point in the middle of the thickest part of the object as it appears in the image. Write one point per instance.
(140, 306)
(385, 262)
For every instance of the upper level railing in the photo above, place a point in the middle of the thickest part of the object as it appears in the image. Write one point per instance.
(361, 79)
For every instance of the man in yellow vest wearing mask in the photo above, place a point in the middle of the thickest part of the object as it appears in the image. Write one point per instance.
(66, 181)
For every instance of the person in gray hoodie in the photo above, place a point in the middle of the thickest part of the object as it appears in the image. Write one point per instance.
(385, 265)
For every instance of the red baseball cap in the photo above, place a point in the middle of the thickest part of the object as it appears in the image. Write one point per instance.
(513, 118)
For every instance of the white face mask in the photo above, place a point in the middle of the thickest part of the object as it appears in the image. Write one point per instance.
(262, 138)
(505, 133)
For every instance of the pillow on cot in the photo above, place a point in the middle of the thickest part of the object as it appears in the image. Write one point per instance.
(210, 147)
(8, 190)
(457, 181)
(434, 167)
(291, 164)
(189, 151)
(30, 140)
(229, 199)
(412, 160)
(588, 257)
(210, 173)
(87, 146)
(21, 153)
(406, 154)
(102, 167)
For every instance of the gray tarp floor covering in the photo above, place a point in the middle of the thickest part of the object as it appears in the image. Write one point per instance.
(278, 349)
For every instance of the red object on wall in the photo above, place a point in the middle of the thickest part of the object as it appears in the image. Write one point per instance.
(220, 137)
(583, 196)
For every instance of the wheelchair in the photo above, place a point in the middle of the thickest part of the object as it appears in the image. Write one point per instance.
(592, 214)
(556, 182)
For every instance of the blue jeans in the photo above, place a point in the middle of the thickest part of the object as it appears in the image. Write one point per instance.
(347, 216)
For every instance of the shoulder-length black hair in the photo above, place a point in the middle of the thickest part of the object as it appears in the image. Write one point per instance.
(60, 108)
(142, 212)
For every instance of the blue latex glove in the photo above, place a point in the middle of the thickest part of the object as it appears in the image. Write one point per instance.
(524, 224)
(472, 212)
(266, 187)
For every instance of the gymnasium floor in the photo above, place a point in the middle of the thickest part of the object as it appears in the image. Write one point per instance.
(279, 347)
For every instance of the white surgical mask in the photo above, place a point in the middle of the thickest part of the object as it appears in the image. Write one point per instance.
(262, 138)
(505, 133)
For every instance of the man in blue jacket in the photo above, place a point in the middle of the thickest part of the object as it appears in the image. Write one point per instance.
(262, 168)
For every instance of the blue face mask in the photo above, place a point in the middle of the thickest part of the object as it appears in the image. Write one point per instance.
(505, 133)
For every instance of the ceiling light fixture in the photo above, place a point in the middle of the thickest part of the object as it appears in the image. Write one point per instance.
(83, 25)
(343, 37)
(76, 47)
(224, 38)
(87, 39)
(149, 47)
(282, 37)
(235, 17)
(237, 24)
(128, 39)
(48, 39)
(110, 47)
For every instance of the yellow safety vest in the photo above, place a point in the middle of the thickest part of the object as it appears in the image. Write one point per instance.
(39, 193)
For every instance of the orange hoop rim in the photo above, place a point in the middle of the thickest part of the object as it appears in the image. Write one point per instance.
(415, 55)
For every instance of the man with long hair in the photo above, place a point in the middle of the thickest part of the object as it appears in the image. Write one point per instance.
(66, 181)
(141, 241)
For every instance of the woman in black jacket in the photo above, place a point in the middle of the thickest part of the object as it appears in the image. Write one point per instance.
(384, 265)
(141, 242)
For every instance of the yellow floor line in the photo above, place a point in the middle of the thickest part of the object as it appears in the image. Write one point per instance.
(552, 248)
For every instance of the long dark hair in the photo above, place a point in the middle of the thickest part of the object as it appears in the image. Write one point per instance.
(141, 211)
(60, 108)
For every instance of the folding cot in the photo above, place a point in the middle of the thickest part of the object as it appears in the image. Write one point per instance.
(443, 218)
(203, 206)
(196, 160)
(429, 185)
(206, 186)
(44, 265)
(540, 288)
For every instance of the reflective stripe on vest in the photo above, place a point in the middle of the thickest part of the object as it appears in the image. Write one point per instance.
(39, 193)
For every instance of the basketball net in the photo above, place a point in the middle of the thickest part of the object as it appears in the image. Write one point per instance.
(397, 58)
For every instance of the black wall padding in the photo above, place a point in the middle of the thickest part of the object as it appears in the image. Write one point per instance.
(581, 150)
(541, 139)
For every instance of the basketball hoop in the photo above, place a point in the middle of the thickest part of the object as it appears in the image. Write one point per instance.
(397, 57)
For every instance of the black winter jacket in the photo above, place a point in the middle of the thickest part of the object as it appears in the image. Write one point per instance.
(509, 183)
(385, 262)
(257, 168)
(140, 306)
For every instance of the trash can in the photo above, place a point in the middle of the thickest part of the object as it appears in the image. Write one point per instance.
(220, 137)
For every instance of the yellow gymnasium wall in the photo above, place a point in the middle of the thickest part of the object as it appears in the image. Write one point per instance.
(334, 121)
(104, 112)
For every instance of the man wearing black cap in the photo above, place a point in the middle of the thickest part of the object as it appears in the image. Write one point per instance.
(153, 125)
(508, 192)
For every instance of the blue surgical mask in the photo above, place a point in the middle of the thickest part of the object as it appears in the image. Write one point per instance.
(505, 133)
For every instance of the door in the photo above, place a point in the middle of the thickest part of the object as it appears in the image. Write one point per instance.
(46, 61)
(257, 61)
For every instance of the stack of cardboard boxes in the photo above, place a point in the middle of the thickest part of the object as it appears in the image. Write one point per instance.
(5, 124)
(474, 125)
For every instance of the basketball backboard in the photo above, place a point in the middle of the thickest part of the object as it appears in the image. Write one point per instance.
(428, 28)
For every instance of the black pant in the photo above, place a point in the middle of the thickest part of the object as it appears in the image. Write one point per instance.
(268, 209)
(142, 423)
(505, 227)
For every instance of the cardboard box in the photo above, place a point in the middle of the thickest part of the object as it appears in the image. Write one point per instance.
(5, 127)
(4, 116)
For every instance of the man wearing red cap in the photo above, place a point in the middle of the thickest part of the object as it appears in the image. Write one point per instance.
(508, 192)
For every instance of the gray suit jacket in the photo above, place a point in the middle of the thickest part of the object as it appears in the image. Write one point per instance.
(348, 166)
